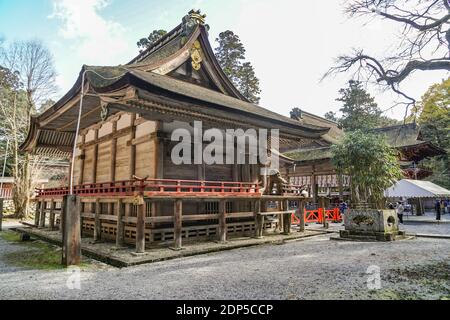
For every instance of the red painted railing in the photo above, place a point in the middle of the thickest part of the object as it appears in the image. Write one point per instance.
(153, 187)
(6, 193)
(317, 215)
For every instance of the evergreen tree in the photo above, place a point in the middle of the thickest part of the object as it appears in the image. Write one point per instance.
(230, 53)
(296, 114)
(145, 43)
(359, 109)
(231, 56)
(249, 83)
(332, 116)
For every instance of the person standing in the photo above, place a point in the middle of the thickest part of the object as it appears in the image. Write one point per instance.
(400, 210)
(437, 206)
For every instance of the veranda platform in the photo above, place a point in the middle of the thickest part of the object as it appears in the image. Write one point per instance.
(125, 256)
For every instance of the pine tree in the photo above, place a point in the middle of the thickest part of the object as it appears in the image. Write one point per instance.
(145, 43)
(231, 56)
(230, 53)
(359, 109)
(249, 83)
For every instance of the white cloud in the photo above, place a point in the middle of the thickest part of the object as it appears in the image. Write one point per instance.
(93, 39)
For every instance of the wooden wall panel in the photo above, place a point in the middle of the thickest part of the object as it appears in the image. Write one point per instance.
(104, 162)
(145, 159)
(77, 167)
(124, 121)
(219, 172)
(89, 165)
(122, 158)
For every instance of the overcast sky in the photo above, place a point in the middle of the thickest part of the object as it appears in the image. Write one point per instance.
(291, 43)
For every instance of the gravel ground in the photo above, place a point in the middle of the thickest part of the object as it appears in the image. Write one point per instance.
(428, 228)
(316, 268)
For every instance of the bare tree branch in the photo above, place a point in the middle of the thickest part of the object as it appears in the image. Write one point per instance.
(424, 43)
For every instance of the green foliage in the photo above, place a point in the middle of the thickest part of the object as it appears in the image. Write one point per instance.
(296, 113)
(433, 115)
(230, 54)
(332, 116)
(249, 83)
(370, 162)
(359, 109)
(145, 43)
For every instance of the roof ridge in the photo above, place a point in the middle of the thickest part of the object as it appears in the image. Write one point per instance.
(411, 124)
(157, 44)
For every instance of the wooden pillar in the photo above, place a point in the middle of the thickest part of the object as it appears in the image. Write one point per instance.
(140, 229)
(97, 222)
(113, 152)
(120, 225)
(95, 161)
(1, 213)
(222, 221)
(341, 186)
(287, 219)
(301, 208)
(324, 213)
(52, 215)
(82, 158)
(159, 167)
(280, 227)
(259, 220)
(42, 214)
(133, 147)
(178, 224)
(37, 213)
(314, 185)
(71, 253)
(61, 218)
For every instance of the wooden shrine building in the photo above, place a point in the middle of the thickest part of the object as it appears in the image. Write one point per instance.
(312, 166)
(129, 188)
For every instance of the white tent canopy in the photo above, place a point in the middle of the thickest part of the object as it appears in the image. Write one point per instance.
(416, 189)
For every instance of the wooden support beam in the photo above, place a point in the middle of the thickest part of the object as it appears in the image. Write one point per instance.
(1, 213)
(71, 253)
(178, 224)
(95, 162)
(259, 219)
(222, 221)
(37, 213)
(83, 157)
(97, 222)
(52, 215)
(133, 147)
(113, 153)
(301, 208)
(140, 229)
(280, 226)
(42, 214)
(120, 232)
(287, 219)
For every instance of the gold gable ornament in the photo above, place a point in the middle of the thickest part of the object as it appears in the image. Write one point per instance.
(196, 56)
(197, 16)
